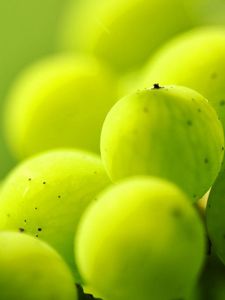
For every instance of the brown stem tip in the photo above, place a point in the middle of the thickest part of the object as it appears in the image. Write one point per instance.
(156, 86)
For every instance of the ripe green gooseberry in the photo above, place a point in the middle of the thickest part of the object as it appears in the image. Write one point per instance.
(195, 59)
(46, 195)
(170, 132)
(142, 239)
(124, 32)
(59, 102)
(32, 270)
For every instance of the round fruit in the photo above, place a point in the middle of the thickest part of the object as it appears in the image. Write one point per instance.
(31, 270)
(46, 196)
(124, 32)
(59, 102)
(171, 132)
(195, 59)
(141, 239)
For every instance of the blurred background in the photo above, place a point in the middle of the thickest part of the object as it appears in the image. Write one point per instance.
(28, 31)
(31, 29)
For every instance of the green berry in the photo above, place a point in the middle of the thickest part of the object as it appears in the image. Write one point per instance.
(195, 59)
(124, 32)
(171, 132)
(46, 195)
(32, 270)
(141, 239)
(61, 101)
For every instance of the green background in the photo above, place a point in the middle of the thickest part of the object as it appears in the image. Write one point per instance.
(28, 31)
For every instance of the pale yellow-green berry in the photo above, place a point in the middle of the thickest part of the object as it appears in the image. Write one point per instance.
(60, 101)
(141, 239)
(171, 132)
(31, 270)
(45, 196)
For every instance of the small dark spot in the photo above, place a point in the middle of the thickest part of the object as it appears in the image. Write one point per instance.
(44, 182)
(156, 86)
(25, 221)
(209, 205)
(39, 229)
(206, 160)
(36, 235)
(189, 123)
(222, 148)
(199, 110)
(59, 196)
(8, 215)
(222, 102)
(95, 172)
(194, 196)
(21, 229)
(176, 212)
(35, 208)
(29, 179)
(214, 75)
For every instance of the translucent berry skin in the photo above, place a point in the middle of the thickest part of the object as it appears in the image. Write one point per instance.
(171, 132)
(45, 196)
(60, 101)
(32, 270)
(194, 59)
(141, 235)
(124, 33)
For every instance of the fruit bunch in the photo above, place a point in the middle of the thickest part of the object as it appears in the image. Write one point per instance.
(119, 191)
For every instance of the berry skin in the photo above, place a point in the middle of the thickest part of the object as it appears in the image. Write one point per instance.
(170, 132)
(141, 235)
